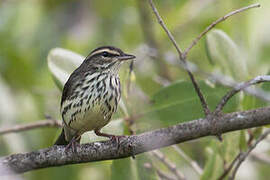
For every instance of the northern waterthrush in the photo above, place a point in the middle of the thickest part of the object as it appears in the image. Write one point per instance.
(91, 95)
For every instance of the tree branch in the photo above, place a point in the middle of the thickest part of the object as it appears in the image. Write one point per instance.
(211, 26)
(162, 24)
(241, 86)
(25, 127)
(136, 144)
(243, 156)
(219, 78)
(227, 170)
(229, 82)
(182, 59)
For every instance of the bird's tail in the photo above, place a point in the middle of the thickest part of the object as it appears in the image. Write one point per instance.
(61, 140)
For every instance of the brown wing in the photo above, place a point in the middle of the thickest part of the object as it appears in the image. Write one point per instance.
(72, 83)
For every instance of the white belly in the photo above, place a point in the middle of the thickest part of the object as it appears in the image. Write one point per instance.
(89, 120)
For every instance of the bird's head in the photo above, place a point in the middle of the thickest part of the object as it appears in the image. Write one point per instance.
(107, 58)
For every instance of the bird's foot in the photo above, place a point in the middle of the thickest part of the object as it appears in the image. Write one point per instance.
(116, 138)
(112, 137)
(73, 144)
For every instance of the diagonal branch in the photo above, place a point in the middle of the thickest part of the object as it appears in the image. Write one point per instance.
(227, 170)
(162, 24)
(25, 127)
(243, 156)
(132, 145)
(211, 26)
(182, 59)
(225, 99)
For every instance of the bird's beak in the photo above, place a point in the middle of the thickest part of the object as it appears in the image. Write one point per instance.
(126, 57)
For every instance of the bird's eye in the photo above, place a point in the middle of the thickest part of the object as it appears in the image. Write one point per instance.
(105, 54)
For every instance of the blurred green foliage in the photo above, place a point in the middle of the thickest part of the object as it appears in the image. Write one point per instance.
(160, 89)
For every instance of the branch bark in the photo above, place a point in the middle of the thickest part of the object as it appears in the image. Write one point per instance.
(136, 144)
(25, 127)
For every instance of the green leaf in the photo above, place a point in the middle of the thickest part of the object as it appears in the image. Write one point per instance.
(229, 146)
(224, 53)
(242, 141)
(62, 63)
(209, 167)
(214, 165)
(121, 169)
(179, 102)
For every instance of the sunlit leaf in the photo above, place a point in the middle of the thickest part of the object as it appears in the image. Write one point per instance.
(214, 165)
(209, 167)
(224, 53)
(228, 149)
(62, 63)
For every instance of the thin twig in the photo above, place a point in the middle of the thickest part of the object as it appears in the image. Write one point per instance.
(30, 126)
(170, 165)
(199, 93)
(225, 99)
(227, 170)
(250, 137)
(182, 59)
(211, 26)
(192, 163)
(243, 156)
(229, 82)
(161, 22)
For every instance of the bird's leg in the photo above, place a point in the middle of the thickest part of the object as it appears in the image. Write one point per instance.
(111, 136)
(75, 141)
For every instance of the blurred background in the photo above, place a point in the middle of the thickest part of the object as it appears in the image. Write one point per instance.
(156, 94)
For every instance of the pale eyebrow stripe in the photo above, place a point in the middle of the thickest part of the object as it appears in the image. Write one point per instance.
(105, 50)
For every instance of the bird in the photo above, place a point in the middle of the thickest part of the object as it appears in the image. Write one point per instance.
(91, 95)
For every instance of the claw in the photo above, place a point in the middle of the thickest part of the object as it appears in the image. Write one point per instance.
(73, 144)
(112, 137)
(116, 138)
